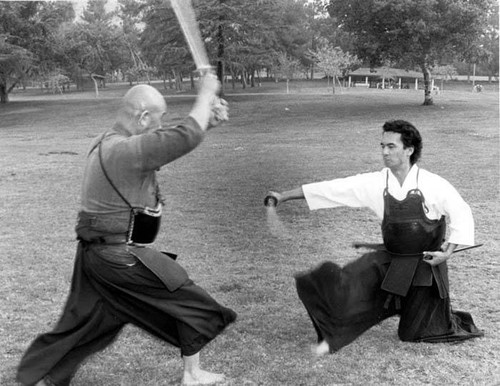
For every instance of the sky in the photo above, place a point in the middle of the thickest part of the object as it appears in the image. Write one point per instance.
(79, 5)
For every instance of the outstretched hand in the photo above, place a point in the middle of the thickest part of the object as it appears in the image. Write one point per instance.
(273, 198)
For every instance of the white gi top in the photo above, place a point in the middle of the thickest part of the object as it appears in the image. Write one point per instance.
(366, 191)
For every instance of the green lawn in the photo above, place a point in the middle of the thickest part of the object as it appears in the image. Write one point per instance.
(216, 222)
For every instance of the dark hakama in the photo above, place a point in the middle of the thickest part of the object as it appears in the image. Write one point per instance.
(105, 296)
(345, 302)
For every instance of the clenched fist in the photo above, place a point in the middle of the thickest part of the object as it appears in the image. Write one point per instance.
(220, 112)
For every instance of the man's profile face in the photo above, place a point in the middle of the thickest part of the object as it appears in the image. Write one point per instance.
(152, 119)
(394, 154)
(156, 117)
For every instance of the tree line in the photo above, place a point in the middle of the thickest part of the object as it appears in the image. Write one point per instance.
(141, 39)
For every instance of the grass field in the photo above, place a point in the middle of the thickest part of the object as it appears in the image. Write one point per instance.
(216, 222)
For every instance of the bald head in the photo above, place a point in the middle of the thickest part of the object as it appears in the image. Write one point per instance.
(141, 108)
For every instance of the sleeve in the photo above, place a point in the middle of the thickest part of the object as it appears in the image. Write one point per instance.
(461, 221)
(362, 190)
(163, 146)
(151, 150)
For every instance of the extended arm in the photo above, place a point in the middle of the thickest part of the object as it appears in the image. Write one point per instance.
(160, 147)
(362, 190)
(293, 194)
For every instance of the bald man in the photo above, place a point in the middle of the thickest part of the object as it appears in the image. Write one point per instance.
(118, 278)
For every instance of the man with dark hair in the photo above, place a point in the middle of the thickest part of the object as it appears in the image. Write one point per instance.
(408, 274)
(410, 137)
(118, 278)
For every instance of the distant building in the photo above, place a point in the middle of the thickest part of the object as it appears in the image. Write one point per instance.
(383, 77)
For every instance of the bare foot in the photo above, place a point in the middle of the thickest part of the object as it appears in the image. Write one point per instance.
(201, 377)
(321, 349)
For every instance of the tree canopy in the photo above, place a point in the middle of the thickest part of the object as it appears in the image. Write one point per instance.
(412, 33)
(27, 36)
(142, 38)
(335, 62)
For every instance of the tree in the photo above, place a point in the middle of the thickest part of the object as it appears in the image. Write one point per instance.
(162, 43)
(95, 45)
(322, 31)
(490, 44)
(134, 65)
(334, 62)
(238, 36)
(14, 62)
(27, 40)
(413, 33)
(294, 33)
(286, 68)
(102, 51)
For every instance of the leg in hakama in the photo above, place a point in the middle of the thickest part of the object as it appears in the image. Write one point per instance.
(345, 302)
(104, 297)
(425, 317)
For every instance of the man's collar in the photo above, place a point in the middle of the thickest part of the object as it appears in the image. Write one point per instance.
(411, 176)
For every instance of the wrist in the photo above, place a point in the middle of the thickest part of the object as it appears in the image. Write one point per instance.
(206, 95)
(449, 250)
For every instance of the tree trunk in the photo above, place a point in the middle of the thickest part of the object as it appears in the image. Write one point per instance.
(9, 89)
(220, 54)
(233, 77)
(243, 79)
(174, 75)
(428, 101)
(171, 84)
(178, 80)
(96, 86)
(78, 79)
(4, 96)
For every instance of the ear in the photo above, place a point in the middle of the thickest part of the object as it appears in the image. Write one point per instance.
(143, 120)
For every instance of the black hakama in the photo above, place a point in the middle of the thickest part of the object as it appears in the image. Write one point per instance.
(104, 297)
(344, 302)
